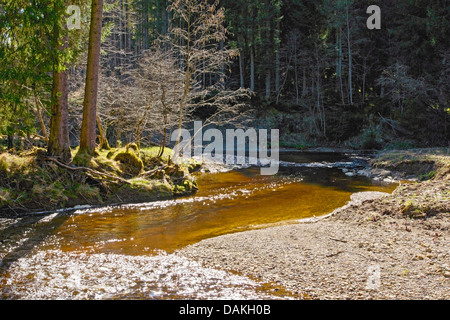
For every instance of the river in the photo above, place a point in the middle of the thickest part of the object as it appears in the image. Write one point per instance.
(130, 251)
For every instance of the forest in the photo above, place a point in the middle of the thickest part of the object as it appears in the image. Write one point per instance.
(350, 98)
(311, 68)
(99, 86)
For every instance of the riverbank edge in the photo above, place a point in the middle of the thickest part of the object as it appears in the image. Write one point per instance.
(31, 183)
(377, 246)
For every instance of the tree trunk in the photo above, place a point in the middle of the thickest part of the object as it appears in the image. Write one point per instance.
(252, 70)
(363, 98)
(222, 68)
(128, 32)
(339, 66)
(58, 141)
(120, 31)
(165, 21)
(297, 94)
(268, 80)
(88, 126)
(304, 88)
(277, 72)
(241, 69)
(10, 141)
(350, 89)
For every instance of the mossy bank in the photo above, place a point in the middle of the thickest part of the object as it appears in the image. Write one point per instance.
(30, 181)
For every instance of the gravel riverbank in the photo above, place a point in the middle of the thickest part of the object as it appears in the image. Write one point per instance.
(378, 246)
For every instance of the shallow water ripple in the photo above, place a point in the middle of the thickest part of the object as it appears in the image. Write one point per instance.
(54, 274)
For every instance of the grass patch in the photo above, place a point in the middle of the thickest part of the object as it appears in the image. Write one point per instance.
(426, 164)
(11, 164)
(149, 155)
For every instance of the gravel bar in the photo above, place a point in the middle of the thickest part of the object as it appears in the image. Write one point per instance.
(368, 249)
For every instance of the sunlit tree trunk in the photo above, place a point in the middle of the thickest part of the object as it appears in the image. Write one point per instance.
(58, 142)
(88, 126)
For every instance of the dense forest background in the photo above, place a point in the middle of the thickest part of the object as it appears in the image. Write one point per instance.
(309, 68)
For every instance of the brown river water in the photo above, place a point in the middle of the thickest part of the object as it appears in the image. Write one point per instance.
(130, 251)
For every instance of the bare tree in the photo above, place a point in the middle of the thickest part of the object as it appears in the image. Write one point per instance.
(161, 84)
(400, 85)
(119, 107)
(166, 85)
(198, 41)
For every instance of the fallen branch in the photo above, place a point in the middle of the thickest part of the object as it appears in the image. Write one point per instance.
(87, 170)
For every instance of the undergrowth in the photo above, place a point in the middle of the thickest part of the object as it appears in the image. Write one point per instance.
(30, 182)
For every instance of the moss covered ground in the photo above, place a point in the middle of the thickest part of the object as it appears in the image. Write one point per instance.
(30, 182)
(429, 196)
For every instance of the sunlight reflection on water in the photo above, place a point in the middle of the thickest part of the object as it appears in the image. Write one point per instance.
(54, 274)
(129, 251)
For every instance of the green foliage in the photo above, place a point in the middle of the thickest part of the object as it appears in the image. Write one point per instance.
(150, 156)
(30, 40)
(53, 193)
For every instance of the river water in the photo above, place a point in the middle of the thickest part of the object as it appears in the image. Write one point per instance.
(130, 251)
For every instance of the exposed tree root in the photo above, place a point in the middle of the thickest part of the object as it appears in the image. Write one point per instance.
(89, 170)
